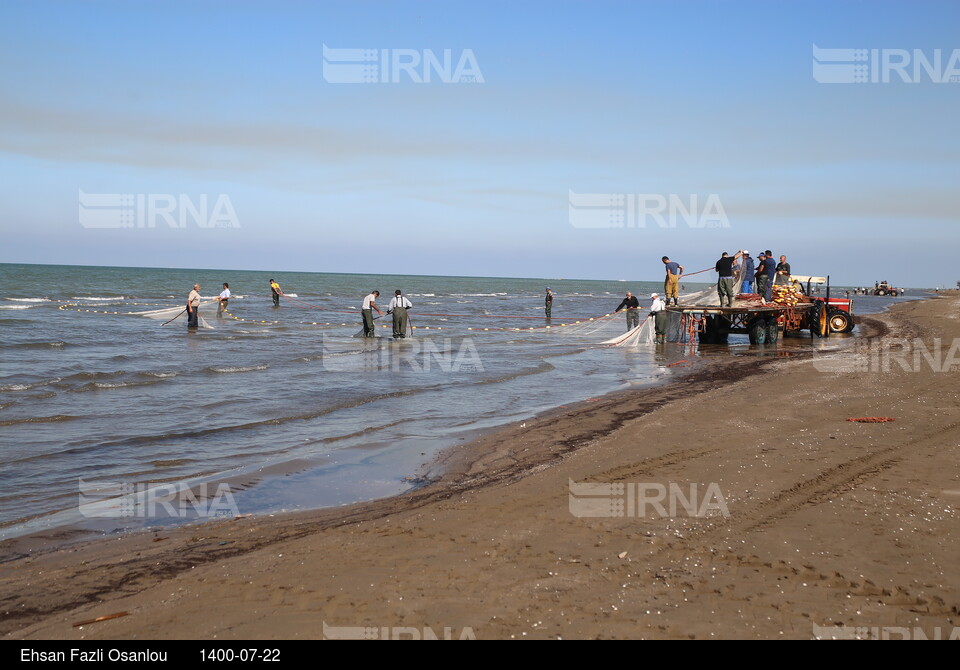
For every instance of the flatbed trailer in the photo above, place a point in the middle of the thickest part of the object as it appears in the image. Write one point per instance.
(762, 323)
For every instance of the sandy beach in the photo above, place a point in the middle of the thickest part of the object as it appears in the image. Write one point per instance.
(822, 527)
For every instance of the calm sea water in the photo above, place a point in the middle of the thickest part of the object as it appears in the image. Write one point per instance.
(286, 405)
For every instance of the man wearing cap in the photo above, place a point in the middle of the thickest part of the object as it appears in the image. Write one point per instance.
(658, 310)
(746, 270)
(399, 306)
(761, 275)
(671, 282)
(548, 303)
(370, 304)
(632, 305)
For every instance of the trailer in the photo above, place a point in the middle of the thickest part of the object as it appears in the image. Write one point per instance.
(763, 324)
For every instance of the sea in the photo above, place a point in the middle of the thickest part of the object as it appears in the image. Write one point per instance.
(113, 419)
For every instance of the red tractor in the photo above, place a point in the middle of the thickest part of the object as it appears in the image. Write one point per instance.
(883, 288)
(839, 311)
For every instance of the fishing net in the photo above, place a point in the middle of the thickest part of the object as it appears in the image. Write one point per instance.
(167, 313)
(389, 323)
(674, 331)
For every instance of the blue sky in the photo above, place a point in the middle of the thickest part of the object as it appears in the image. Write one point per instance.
(666, 98)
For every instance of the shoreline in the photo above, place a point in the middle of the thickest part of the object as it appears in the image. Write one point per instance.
(582, 440)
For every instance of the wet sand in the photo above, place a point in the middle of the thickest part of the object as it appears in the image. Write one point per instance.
(833, 527)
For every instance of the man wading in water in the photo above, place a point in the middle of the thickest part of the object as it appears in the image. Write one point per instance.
(193, 308)
(398, 307)
(370, 304)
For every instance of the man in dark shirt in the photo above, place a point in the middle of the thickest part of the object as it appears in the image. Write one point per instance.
(761, 275)
(783, 271)
(632, 305)
(765, 275)
(548, 303)
(724, 269)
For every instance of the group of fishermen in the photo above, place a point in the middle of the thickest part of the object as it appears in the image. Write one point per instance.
(658, 310)
(766, 273)
(398, 307)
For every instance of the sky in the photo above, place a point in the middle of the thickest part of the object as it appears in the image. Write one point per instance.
(559, 148)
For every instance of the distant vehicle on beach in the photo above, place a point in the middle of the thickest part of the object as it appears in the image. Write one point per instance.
(883, 288)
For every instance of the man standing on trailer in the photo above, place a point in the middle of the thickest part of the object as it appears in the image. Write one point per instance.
(724, 270)
(783, 271)
(671, 282)
(747, 270)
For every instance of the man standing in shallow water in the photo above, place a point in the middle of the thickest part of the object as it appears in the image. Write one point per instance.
(632, 305)
(370, 304)
(398, 307)
(658, 310)
(277, 292)
(193, 307)
(223, 299)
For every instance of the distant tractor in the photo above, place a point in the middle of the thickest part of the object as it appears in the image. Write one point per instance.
(883, 288)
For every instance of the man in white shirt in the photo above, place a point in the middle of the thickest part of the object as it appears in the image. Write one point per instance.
(370, 304)
(224, 299)
(193, 307)
(658, 310)
(399, 306)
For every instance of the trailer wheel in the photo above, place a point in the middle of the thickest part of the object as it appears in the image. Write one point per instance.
(840, 321)
(773, 331)
(757, 331)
